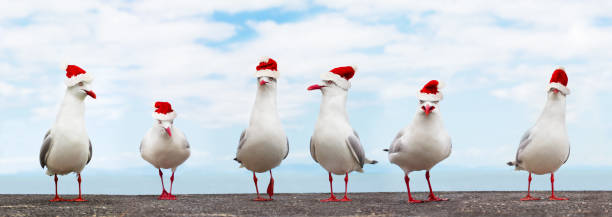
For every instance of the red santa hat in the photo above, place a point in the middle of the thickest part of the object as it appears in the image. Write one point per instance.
(340, 76)
(559, 81)
(75, 74)
(267, 67)
(164, 111)
(430, 91)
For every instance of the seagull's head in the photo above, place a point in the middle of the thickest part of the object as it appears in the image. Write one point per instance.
(165, 126)
(428, 107)
(327, 87)
(266, 81)
(82, 89)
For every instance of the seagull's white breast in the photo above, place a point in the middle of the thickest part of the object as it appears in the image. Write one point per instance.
(163, 151)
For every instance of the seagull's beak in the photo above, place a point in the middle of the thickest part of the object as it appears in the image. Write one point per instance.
(555, 90)
(168, 131)
(315, 87)
(91, 93)
(262, 82)
(427, 109)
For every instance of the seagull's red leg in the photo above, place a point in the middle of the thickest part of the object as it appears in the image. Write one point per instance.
(257, 189)
(345, 198)
(410, 200)
(432, 197)
(56, 198)
(164, 194)
(80, 198)
(529, 197)
(552, 189)
(271, 186)
(170, 196)
(332, 198)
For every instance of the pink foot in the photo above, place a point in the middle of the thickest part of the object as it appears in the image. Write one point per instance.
(345, 199)
(557, 198)
(164, 195)
(262, 199)
(433, 198)
(80, 199)
(331, 199)
(57, 199)
(414, 201)
(529, 198)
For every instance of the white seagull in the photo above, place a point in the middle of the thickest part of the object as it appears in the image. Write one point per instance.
(263, 145)
(425, 142)
(164, 145)
(334, 144)
(66, 147)
(545, 147)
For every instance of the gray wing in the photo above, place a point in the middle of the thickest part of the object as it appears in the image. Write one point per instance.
(287, 153)
(568, 153)
(525, 141)
(395, 145)
(242, 139)
(312, 151)
(90, 152)
(187, 146)
(44, 149)
(357, 149)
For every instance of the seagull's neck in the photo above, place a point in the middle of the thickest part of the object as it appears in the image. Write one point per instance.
(431, 121)
(265, 105)
(72, 110)
(333, 105)
(554, 109)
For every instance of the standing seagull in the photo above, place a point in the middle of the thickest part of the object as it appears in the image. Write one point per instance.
(425, 142)
(334, 144)
(263, 145)
(66, 147)
(165, 146)
(545, 147)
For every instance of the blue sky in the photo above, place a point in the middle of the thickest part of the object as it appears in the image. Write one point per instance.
(495, 57)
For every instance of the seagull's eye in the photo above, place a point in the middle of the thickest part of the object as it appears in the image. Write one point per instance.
(159, 122)
(421, 101)
(329, 82)
(436, 102)
(80, 83)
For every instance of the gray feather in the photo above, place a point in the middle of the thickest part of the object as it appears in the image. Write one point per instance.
(187, 146)
(44, 149)
(395, 145)
(357, 149)
(240, 144)
(287, 153)
(312, 151)
(90, 152)
(525, 141)
(568, 153)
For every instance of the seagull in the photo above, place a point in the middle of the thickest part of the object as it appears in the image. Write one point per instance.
(164, 145)
(545, 147)
(424, 143)
(263, 145)
(66, 146)
(334, 144)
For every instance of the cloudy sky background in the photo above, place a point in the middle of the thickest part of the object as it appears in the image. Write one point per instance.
(494, 56)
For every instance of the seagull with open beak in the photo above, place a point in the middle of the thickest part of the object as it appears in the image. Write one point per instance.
(164, 145)
(425, 142)
(334, 144)
(545, 147)
(66, 147)
(263, 145)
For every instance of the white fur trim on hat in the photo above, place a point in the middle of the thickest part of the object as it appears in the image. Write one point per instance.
(559, 87)
(268, 73)
(339, 80)
(164, 117)
(78, 78)
(429, 96)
